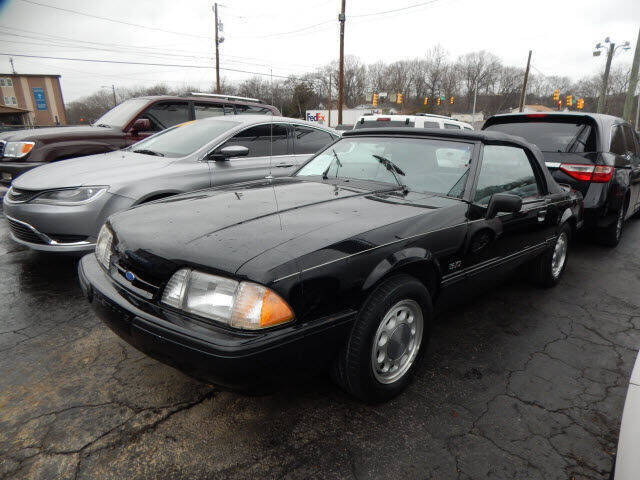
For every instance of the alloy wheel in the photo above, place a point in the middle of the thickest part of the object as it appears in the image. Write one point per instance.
(559, 254)
(397, 341)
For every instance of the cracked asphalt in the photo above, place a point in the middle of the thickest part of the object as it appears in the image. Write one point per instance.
(520, 384)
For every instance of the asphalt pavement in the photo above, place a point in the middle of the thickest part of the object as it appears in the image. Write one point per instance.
(523, 383)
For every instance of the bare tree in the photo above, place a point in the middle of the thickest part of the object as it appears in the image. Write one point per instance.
(478, 71)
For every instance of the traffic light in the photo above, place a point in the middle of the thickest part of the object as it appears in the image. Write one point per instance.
(580, 104)
(399, 99)
(438, 101)
(451, 100)
(426, 100)
(559, 104)
(374, 100)
(556, 95)
(569, 100)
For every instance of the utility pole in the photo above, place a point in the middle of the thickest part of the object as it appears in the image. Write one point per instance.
(627, 112)
(215, 14)
(341, 19)
(329, 122)
(475, 96)
(524, 83)
(605, 79)
(13, 67)
(113, 89)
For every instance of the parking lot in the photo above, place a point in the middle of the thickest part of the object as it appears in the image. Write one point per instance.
(524, 383)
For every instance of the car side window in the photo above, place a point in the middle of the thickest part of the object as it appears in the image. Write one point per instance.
(452, 126)
(631, 141)
(206, 110)
(505, 170)
(252, 110)
(309, 140)
(262, 140)
(618, 143)
(431, 125)
(163, 115)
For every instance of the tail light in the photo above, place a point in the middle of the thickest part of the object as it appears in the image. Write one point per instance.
(383, 119)
(588, 173)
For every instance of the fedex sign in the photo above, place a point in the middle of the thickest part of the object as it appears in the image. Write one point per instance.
(315, 117)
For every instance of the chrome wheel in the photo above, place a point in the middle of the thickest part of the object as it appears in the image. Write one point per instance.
(559, 255)
(397, 341)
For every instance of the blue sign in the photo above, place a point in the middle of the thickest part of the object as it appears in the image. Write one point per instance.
(41, 101)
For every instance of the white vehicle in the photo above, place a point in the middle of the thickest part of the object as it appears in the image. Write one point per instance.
(628, 461)
(421, 120)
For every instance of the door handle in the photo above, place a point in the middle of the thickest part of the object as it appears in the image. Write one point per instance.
(542, 214)
(284, 165)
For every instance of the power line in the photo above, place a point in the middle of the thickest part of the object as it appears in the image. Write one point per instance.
(121, 62)
(416, 5)
(113, 20)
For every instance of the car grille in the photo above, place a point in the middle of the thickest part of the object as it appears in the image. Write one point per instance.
(18, 195)
(24, 233)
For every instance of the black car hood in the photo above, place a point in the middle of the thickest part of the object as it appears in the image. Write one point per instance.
(80, 131)
(224, 230)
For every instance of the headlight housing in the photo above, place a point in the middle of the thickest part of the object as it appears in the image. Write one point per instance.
(103, 246)
(71, 196)
(243, 305)
(17, 149)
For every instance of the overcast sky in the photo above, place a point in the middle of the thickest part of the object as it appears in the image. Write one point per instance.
(293, 36)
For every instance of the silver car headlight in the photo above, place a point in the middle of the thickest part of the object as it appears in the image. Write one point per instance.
(17, 149)
(103, 246)
(243, 305)
(71, 196)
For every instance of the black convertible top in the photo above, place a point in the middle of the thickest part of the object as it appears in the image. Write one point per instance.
(483, 136)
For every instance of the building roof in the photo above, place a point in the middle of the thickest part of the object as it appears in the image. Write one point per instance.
(533, 108)
(7, 109)
(30, 75)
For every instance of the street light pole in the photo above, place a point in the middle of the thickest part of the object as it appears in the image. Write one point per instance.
(341, 19)
(113, 89)
(605, 79)
(627, 112)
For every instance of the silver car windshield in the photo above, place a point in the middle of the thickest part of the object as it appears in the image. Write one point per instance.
(183, 139)
(419, 164)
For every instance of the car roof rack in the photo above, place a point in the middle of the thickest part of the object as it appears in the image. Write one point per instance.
(226, 97)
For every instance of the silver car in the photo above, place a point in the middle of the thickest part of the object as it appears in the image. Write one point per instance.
(60, 207)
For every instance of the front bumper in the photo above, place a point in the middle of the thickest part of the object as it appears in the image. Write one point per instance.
(11, 170)
(27, 235)
(227, 358)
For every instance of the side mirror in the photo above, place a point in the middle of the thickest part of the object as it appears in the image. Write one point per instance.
(228, 152)
(140, 125)
(623, 161)
(503, 202)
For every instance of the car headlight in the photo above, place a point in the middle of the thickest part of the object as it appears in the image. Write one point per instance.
(17, 149)
(103, 246)
(70, 196)
(244, 305)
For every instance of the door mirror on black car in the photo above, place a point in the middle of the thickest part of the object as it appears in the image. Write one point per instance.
(503, 202)
(226, 153)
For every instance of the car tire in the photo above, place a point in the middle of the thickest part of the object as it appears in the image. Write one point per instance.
(548, 268)
(396, 319)
(611, 235)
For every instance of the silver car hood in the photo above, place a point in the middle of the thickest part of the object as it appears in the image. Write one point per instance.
(110, 168)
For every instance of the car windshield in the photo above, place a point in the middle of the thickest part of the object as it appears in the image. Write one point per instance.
(183, 139)
(122, 114)
(420, 164)
(565, 135)
(383, 123)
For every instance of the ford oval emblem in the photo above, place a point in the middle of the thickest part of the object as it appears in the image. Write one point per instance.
(130, 276)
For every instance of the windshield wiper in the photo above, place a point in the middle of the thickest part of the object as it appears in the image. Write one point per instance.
(148, 152)
(338, 163)
(394, 169)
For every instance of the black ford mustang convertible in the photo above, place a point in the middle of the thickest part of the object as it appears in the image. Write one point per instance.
(342, 264)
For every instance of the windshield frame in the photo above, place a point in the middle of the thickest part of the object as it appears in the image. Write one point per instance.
(466, 190)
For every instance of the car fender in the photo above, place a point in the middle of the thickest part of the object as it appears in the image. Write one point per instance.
(71, 149)
(415, 260)
(156, 195)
